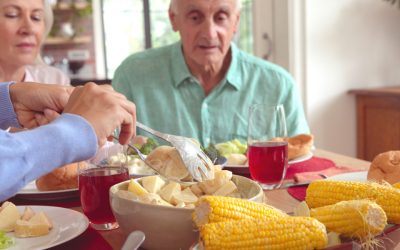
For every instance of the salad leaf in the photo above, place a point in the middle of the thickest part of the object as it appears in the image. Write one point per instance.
(149, 146)
(231, 147)
(146, 148)
(5, 241)
(211, 152)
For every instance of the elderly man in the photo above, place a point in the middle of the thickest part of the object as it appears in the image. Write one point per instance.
(203, 86)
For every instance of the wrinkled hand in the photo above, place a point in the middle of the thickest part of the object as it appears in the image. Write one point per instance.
(31, 99)
(105, 110)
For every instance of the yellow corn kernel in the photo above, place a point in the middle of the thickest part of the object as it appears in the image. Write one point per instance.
(327, 192)
(210, 209)
(396, 185)
(267, 233)
(361, 219)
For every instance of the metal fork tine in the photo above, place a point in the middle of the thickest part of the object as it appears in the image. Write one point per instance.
(207, 162)
(204, 168)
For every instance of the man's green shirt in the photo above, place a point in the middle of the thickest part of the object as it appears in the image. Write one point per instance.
(169, 99)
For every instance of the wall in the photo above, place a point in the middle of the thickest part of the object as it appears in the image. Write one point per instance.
(349, 44)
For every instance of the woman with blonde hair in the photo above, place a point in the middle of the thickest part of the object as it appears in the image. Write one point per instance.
(24, 26)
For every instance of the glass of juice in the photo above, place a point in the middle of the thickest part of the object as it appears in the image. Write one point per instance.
(267, 150)
(96, 176)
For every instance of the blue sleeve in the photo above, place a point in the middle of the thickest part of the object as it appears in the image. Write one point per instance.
(8, 118)
(27, 155)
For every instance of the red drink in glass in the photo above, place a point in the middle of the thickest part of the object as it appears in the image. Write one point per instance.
(94, 185)
(268, 161)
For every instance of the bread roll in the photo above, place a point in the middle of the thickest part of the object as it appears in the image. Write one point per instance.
(65, 177)
(299, 145)
(385, 167)
(167, 161)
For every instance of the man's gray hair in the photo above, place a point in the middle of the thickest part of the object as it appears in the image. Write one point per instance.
(174, 5)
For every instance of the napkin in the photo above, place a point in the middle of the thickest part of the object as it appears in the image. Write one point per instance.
(315, 175)
(309, 170)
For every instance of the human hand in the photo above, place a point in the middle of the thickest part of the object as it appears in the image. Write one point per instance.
(105, 110)
(31, 99)
(47, 117)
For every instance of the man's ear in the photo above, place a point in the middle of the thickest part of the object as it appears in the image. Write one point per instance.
(172, 19)
(237, 21)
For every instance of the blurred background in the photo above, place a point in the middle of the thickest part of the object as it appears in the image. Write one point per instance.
(330, 47)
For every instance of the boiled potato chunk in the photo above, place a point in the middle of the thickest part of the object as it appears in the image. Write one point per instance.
(40, 218)
(186, 196)
(169, 190)
(154, 199)
(226, 189)
(153, 183)
(25, 229)
(28, 213)
(197, 190)
(38, 225)
(211, 186)
(136, 188)
(236, 159)
(9, 214)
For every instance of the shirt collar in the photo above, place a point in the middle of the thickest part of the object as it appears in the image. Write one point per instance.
(234, 75)
(180, 70)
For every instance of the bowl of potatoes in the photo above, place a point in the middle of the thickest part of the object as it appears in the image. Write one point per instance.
(163, 209)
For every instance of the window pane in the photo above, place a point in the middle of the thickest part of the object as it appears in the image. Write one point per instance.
(124, 30)
(244, 37)
(161, 30)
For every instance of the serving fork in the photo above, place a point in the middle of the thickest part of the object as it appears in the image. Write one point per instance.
(196, 161)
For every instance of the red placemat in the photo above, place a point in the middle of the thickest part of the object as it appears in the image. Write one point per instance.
(308, 170)
(313, 164)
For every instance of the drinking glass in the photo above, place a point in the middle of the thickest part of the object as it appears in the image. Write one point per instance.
(267, 151)
(96, 176)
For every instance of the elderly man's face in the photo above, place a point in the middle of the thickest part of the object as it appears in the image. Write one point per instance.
(206, 28)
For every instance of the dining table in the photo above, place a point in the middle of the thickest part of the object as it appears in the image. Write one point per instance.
(279, 198)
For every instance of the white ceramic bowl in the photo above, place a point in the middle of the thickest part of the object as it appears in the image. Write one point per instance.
(167, 227)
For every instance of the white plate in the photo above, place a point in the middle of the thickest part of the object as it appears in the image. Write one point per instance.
(353, 176)
(295, 160)
(30, 192)
(301, 158)
(67, 224)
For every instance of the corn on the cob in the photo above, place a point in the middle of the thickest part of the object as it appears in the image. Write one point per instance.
(210, 209)
(328, 192)
(396, 185)
(361, 219)
(268, 233)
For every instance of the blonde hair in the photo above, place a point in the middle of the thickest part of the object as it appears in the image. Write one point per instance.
(48, 17)
(173, 6)
(48, 23)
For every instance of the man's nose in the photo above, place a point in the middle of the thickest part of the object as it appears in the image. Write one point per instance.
(209, 29)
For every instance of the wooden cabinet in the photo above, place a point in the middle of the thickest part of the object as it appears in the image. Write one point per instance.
(378, 121)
